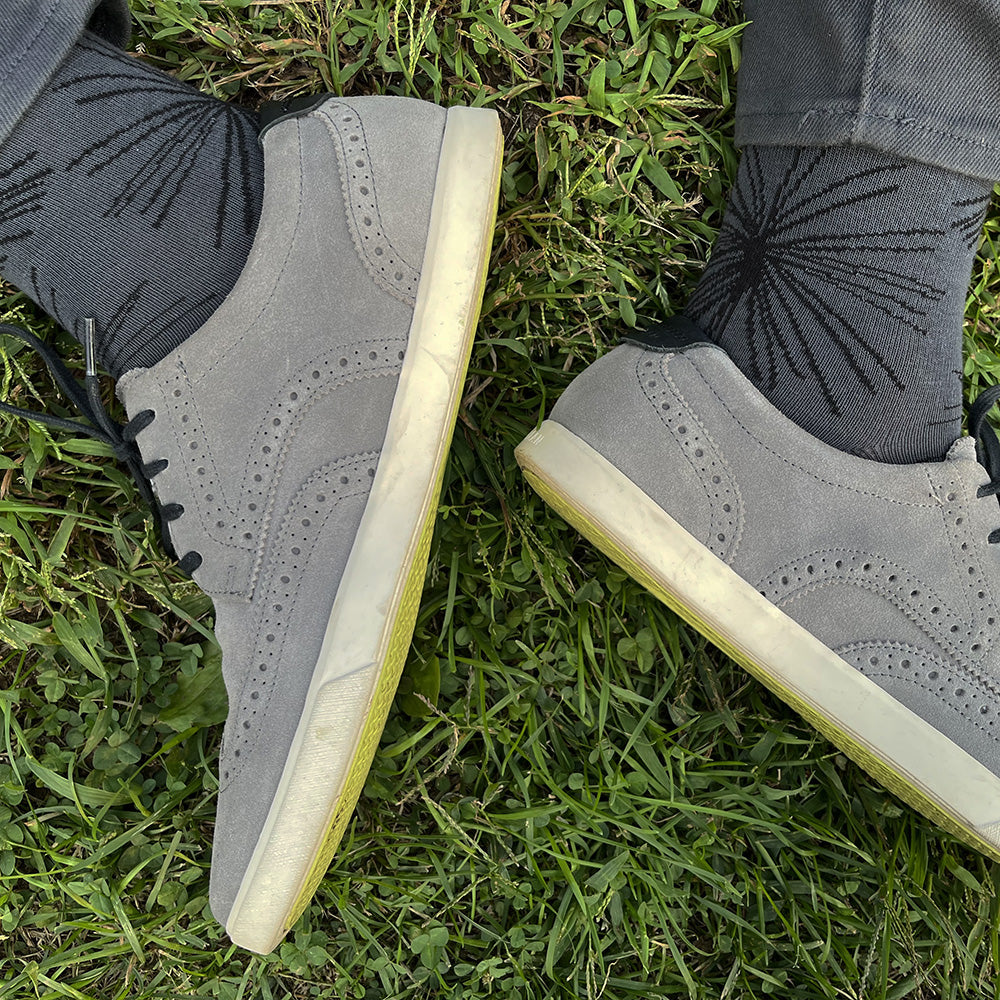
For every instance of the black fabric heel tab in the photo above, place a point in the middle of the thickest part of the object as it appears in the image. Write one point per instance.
(671, 336)
(278, 111)
(112, 20)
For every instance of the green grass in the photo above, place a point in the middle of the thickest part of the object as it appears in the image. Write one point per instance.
(599, 805)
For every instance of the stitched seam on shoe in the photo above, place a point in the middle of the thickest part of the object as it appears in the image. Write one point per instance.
(269, 496)
(783, 459)
(956, 538)
(945, 524)
(973, 676)
(181, 376)
(267, 493)
(384, 371)
(147, 452)
(734, 523)
(277, 275)
(315, 480)
(405, 293)
(790, 593)
(958, 672)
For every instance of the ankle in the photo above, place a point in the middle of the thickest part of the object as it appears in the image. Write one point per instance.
(838, 284)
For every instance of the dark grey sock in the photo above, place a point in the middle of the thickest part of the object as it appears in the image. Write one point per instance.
(838, 286)
(128, 197)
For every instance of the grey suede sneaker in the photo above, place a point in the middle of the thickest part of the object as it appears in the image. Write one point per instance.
(297, 443)
(864, 595)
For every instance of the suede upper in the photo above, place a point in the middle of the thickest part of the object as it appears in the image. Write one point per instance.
(888, 565)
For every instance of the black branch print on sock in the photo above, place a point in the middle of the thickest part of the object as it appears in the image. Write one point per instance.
(117, 333)
(187, 136)
(48, 298)
(22, 194)
(971, 216)
(951, 414)
(793, 284)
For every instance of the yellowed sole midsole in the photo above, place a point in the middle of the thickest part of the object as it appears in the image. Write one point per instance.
(897, 747)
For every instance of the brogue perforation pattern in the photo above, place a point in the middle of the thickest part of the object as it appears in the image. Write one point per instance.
(302, 526)
(952, 630)
(240, 523)
(813, 472)
(697, 446)
(972, 696)
(967, 553)
(383, 262)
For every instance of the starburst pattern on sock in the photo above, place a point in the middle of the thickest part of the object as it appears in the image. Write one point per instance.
(790, 279)
(161, 150)
(972, 215)
(129, 197)
(22, 191)
(837, 284)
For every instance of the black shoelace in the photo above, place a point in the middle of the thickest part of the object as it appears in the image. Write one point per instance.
(86, 397)
(987, 446)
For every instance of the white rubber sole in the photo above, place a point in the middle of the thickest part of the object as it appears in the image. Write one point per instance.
(372, 620)
(905, 753)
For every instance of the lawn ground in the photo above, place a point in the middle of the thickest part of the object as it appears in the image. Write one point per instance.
(597, 804)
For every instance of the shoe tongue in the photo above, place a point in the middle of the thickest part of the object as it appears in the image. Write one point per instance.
(963, 450)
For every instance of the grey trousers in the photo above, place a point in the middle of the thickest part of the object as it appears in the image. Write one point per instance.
(917, 78)
(36, 35)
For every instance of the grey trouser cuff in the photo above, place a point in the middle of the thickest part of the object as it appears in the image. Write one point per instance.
(914, 78)
(36, 36)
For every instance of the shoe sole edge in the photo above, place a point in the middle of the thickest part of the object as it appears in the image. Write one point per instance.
(371, 623)
(896, 746)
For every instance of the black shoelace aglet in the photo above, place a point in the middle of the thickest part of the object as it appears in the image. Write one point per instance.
(96, 413)
(90, 346)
